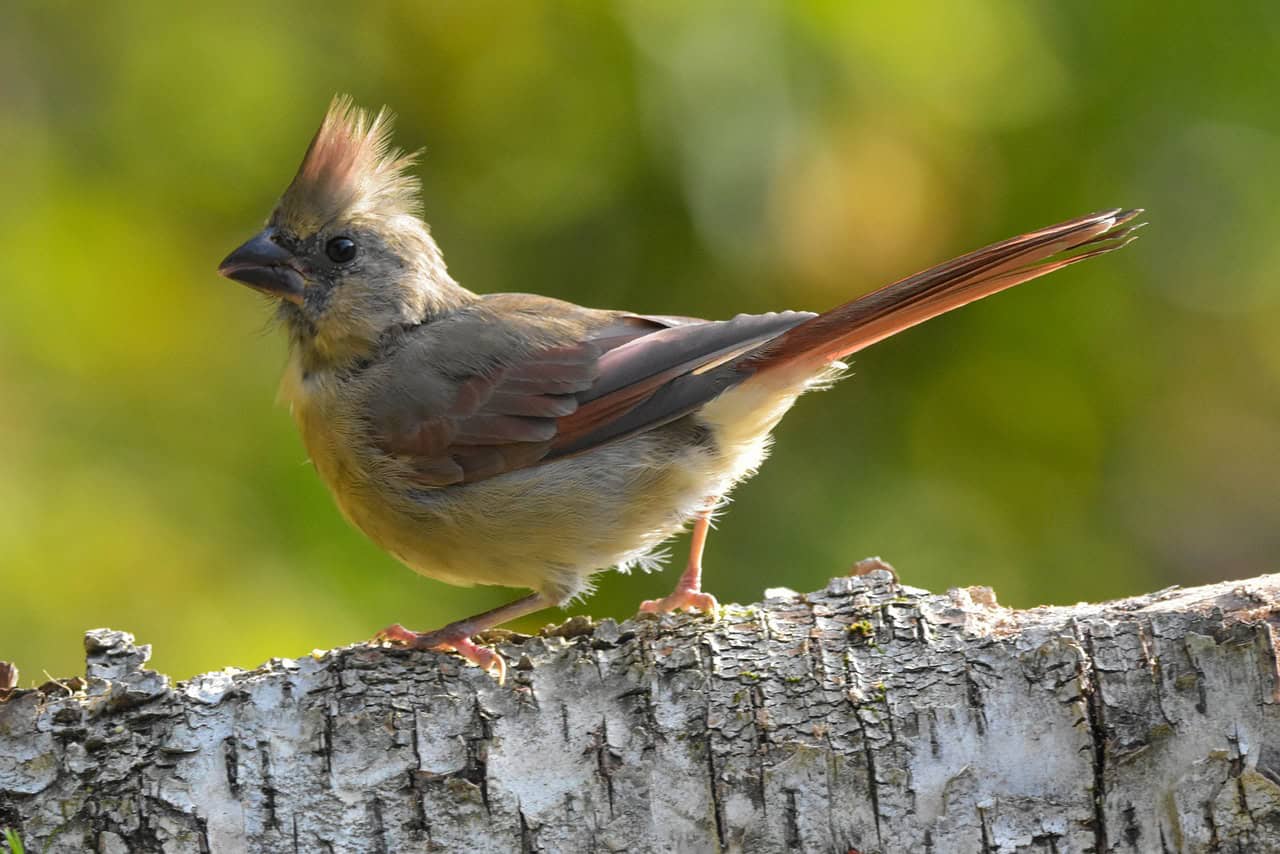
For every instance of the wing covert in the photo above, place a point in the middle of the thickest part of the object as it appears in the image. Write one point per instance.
(633, 374)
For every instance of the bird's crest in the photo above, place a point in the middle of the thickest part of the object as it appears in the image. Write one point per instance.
(350, 168)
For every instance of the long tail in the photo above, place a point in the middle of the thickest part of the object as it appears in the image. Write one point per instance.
(864, 321)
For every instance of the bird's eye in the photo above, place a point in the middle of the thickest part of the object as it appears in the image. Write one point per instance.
(340, 250)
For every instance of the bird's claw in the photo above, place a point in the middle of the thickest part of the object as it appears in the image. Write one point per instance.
(482, 657)
(680, 599)
(398, 635)
(872, 564)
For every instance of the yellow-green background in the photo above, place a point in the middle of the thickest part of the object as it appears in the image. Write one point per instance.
(1113, 429)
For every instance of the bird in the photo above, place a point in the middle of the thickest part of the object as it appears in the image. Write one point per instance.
(524, 441)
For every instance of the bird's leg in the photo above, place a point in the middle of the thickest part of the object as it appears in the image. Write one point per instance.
(457, 636)
(688, 592)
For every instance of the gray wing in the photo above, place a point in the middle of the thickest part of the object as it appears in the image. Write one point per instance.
(631, 374)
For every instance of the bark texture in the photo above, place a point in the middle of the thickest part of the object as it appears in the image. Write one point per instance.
(866, 717)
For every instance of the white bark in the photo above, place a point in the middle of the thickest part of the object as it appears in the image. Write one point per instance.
(866, 717)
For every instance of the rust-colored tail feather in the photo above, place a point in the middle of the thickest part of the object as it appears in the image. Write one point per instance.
(864, 321)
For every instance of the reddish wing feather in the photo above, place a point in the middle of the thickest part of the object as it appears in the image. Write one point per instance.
(566, 399)
(499, 421)
(503, 420)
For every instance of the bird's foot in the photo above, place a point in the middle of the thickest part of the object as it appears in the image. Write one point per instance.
(872, 564)
(449, 640)
(680, 598)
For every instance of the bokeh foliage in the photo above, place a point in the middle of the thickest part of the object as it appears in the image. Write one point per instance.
(1111, 429)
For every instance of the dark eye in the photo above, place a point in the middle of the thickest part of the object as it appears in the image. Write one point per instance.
(340, 250)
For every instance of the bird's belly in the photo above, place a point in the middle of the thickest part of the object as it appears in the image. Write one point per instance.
(548, 528)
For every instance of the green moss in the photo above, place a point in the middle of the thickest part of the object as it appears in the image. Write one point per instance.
(862, 629)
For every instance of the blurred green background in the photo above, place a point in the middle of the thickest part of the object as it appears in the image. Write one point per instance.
(1112, 429)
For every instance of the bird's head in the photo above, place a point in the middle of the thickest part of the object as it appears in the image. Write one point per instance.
(345, 250)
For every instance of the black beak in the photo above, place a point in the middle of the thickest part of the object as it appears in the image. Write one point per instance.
(266, 265)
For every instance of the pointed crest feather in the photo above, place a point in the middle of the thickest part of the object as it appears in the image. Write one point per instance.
(350, 168)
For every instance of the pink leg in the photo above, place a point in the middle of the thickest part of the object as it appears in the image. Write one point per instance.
(457, 636)
(688, 592)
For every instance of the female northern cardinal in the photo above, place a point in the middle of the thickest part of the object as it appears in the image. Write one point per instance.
(519, 440)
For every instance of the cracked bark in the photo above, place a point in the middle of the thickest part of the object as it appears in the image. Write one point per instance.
(866, 717)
